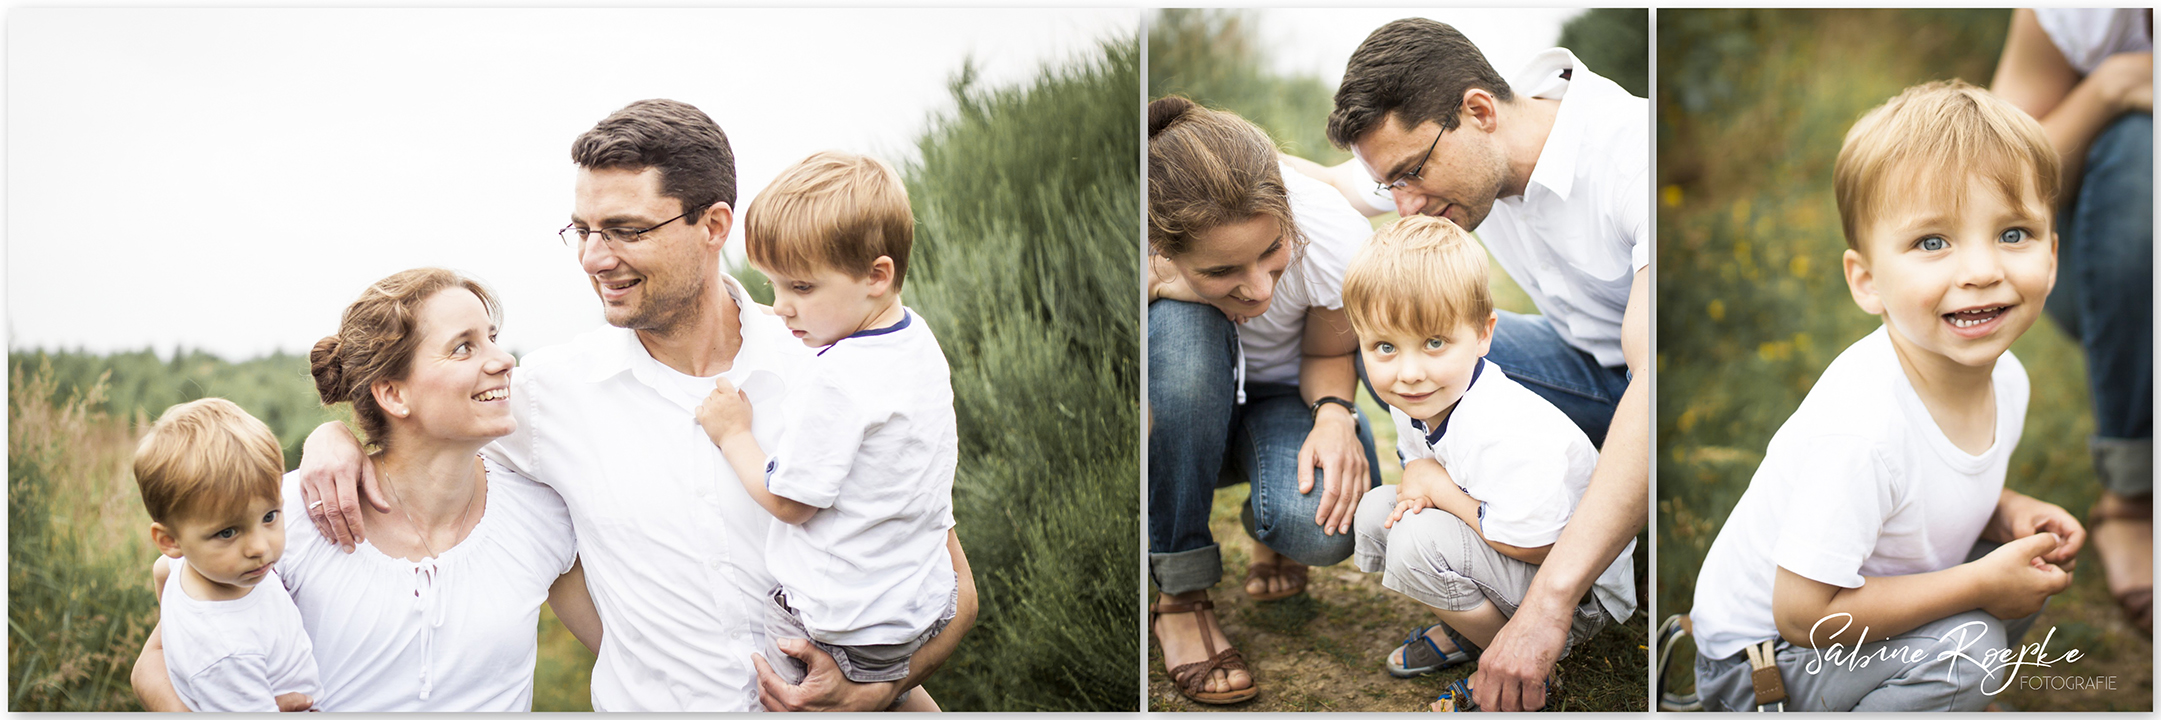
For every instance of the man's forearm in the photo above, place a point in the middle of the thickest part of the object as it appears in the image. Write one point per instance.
(1612, 511)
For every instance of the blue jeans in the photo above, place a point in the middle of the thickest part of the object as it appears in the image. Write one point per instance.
(1532, 354)
(2104, 296)
(1201, 439)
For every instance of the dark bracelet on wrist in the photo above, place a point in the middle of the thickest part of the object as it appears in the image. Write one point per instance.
(1333, 400)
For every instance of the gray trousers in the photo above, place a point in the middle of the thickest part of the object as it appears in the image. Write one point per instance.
(1437, 559)
(1943, 673)
(860, 663)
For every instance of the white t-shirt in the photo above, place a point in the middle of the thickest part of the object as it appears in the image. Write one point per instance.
(1334, 233)
(872, 442)
(1524, 461)
(1582, 227)
(1859, 483)
(2087, 36)
(454, 633)
(234, 655)
(674, 548)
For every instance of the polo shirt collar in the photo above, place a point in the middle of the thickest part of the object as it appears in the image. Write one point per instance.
(1580, 93)
(905, 318)
(1434, 435)
(623, 353)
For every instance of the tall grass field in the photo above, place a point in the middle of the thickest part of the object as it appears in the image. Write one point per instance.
(1025, 264)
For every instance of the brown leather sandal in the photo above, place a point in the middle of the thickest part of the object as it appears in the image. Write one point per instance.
(2136, 601)
(1265, 572)
(1192, 677)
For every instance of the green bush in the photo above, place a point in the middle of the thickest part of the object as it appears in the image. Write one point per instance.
(1026, 264)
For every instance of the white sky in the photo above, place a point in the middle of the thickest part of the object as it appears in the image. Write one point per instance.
(231, 179)
(1320, 41)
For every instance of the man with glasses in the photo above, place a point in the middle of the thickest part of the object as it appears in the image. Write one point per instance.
(608, 420)
(1553, 172)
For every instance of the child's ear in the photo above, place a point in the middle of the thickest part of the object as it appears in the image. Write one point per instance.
(881, 276)
(167, 542)
(1485, 333)
(1862, 283)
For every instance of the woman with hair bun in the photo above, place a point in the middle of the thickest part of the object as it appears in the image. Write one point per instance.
(436, 610)
(1252, 367)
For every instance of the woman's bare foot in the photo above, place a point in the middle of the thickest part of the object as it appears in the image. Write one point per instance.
(1266, 584)
(2121, 531)
(1180, 636)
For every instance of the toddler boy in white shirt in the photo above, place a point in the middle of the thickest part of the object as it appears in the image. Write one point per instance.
(863, 477)
(1504, 467)
(209, 475)
(1874, 520)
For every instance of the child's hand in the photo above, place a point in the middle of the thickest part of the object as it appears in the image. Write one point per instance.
(2020, 516)
(1425, 485)
(725, 412)
(2021, 578)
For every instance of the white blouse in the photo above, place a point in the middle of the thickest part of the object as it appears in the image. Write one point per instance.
(453, 633)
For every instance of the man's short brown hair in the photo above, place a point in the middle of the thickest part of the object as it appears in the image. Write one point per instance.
(1422, 276)
(832, 210)
(697, 168)
(1415, 68)
(207, 459)
(1928, 141)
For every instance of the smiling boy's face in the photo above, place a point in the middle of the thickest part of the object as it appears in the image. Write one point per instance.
(1959, 280)
(1425, 374)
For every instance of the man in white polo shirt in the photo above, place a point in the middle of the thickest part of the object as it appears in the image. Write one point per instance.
(1553, 172)
(608, 420)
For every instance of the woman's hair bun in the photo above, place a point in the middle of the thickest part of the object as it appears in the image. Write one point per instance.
(327, 364)
(1164, 111)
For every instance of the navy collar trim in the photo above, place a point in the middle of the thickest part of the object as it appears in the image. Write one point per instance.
(905, 318)
(1434, 435)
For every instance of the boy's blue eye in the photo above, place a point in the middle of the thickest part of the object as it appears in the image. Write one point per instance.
(1434, 343)
(1933, 243)
(1384, 348)
(270, 517)
(227, 534)
(2014, 236)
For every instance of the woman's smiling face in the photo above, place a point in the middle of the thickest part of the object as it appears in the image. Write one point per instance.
(1235, 266)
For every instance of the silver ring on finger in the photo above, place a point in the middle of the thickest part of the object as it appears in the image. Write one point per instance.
(313, 505)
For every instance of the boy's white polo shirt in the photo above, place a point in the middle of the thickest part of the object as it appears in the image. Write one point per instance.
(235, 655)
(1582, 227)
(1273, 342)
(1859, 483)
(872, 443)
(1526, 463)
(674, 548)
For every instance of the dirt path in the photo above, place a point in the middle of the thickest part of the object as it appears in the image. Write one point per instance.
(1322, 651)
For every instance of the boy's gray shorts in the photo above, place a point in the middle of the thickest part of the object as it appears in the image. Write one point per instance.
(860, 663)
(1437, 559)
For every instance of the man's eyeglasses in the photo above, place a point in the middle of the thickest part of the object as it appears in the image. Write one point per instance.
(1404, 181)
(575, 236)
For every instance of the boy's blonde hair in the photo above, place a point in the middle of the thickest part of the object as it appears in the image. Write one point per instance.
(207, 459)
(1926, 142)
(1421, 276)
(832, 210)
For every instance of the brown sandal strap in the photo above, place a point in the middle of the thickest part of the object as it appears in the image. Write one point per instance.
(2120, 509)
(1171, 607)
(1193, 676)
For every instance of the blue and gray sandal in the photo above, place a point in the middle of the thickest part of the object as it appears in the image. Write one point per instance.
(1457, 696)
(1422, 656)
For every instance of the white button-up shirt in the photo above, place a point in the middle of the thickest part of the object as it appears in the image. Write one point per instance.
(674, 548)
(1582, 227)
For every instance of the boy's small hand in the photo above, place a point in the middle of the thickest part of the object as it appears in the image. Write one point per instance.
(2020, 516)
(725, 412)
(1406, 506)
(2022, 583)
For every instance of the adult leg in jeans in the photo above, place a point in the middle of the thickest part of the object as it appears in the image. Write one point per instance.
(1528, 349)
(2105, 283)
(1265, 442)
(1192, 350)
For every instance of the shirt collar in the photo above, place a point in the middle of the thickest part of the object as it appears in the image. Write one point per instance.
(1434, 435)
(905, 316)
(1556, 74)
(620, 351)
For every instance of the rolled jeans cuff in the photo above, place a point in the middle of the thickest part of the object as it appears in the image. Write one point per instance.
(2125, 465)
(1196, 569)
